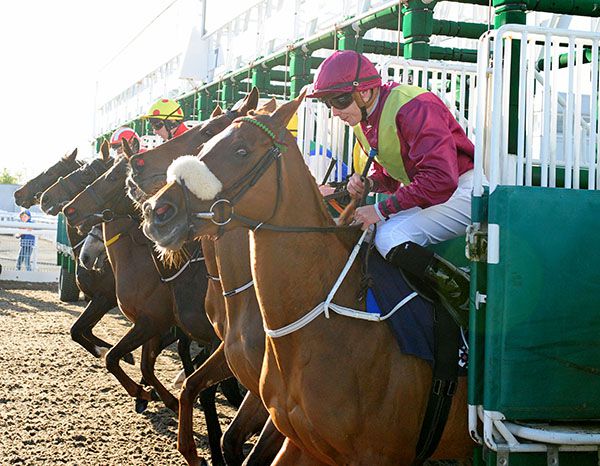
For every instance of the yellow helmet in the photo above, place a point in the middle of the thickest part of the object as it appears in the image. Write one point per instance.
(165, 109)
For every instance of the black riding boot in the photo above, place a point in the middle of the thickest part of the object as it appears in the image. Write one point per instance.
(450, 284)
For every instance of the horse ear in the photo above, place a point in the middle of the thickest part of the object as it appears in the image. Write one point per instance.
(217, 111)
(126, 148)
(242, 107)
(105, 149)
(269, 107)
(282, 116)
(72, 156)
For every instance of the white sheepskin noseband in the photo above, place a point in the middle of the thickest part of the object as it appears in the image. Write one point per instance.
(197, 177)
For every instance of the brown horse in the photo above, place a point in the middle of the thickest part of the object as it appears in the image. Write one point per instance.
(150, 302)
(238, 323)
(338, 388)
(29, 194)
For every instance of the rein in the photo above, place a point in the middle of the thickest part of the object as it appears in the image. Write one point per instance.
(244, 184)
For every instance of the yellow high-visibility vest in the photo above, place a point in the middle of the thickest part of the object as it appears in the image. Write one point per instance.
(389, 153)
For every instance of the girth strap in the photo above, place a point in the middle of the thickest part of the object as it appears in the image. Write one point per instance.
(443, 386)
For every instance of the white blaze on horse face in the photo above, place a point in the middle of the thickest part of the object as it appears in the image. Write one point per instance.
(197, 177)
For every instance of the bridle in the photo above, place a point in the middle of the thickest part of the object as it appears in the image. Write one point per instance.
(63, 167)
(243, 185)
(95, 168)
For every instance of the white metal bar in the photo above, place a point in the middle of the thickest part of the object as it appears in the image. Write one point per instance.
(568, 118)
(578, 64)
(547, 109)
(531, 102)
(503, 163)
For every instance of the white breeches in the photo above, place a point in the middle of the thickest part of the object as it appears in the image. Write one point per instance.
(430, 225)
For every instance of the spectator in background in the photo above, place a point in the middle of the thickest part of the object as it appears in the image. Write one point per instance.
(27, 242)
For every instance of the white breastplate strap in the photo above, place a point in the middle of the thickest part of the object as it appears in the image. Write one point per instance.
(229, 294)
(180, 271)
(327, 305)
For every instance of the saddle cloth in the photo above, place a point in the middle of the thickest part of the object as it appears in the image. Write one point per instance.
(412, 324)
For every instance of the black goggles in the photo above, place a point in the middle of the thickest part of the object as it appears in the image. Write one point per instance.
(341, 101)
(157, 124)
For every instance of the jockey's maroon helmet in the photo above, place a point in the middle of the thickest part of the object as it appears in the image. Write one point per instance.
(344, 71)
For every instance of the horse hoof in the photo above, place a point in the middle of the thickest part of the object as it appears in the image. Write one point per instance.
(140, 405)
(128, 358)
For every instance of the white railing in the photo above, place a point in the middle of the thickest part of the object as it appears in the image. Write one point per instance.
(557, 122)
(320, 136)
(31, 260)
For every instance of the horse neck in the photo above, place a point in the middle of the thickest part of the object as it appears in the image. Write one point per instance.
(294, 272)
(233, 260)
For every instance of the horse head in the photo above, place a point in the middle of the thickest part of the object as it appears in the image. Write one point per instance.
(29, 194)
(148, 170)
(236, 176)
(93, 253)
(66, 188)
(103, 200)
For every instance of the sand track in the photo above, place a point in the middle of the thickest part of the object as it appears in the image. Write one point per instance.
(59, 405)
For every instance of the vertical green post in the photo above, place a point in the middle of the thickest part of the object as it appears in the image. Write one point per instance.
(261, 78)
(349, 39)
(203, 105)
(417, 27)
(512, 12)
(299, 71)
(228, 92)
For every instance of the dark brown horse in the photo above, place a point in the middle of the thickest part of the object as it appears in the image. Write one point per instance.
(98, 286)
(338, 388)
(146, 298)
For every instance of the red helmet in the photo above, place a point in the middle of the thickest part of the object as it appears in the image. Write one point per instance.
(344, 71)
(124, 132)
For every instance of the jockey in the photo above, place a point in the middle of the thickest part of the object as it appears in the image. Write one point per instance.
(166, 119)
(125, 132)
(424, 161)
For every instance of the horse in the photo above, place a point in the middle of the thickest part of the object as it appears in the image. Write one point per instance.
(98, 285)
(338, 388)
(146, 298)
(29, 194)
(238, 323)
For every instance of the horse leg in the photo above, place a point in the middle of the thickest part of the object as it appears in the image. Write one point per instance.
(150, 352)
(81, 330)
(269, 443)
(137, 335)
(141, 404)
(291, 455)
(248, 420)
(213, 370)
(231, 389)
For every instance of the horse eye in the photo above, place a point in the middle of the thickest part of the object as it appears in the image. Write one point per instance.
(241, 152)
(209, 133)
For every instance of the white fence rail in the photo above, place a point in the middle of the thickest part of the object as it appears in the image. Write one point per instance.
(557, 122)
(28, 259)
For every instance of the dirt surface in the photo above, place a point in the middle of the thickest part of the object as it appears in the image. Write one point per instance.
(59, 405)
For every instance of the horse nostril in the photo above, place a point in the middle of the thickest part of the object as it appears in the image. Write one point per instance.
(140, 162)
(69, 212)
(164, 213)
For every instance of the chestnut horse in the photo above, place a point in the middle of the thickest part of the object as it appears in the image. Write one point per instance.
(237, 322)
(338, 388)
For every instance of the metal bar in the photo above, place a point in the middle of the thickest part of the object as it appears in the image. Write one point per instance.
(593, 134)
